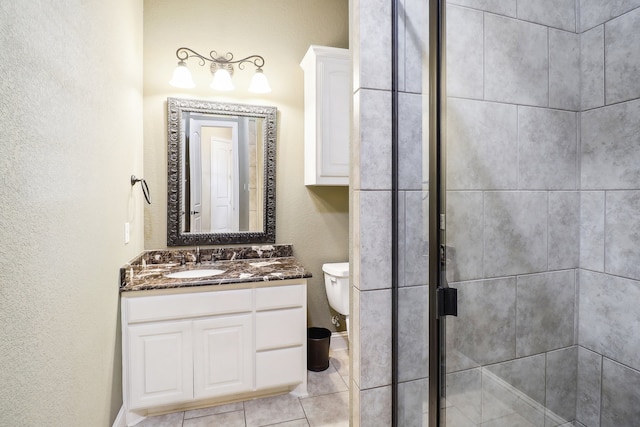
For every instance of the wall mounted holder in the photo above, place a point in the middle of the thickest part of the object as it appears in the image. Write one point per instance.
(145, 187)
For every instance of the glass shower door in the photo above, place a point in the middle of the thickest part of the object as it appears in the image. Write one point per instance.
(510, 355)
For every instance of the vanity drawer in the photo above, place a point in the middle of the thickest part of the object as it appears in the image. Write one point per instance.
(165, 307)
(280, 367)
(281, 297)
(280, 328)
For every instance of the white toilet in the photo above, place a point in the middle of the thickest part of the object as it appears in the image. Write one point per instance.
(336, 283)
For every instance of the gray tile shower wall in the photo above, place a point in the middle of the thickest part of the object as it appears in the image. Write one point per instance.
(592, 68)
(547, 149)
(500, 7)
(544, 189)
(564, 229)
(370, 188)
(564, 66)
(411, 168)
(481, 145)
(596, 12)
(592, 230)
(485, 330)
(413, 343)
(622, 59)
(610, 156)
(516, 61)
(515, 232)
(561, 380)
(513, 211)
(543, 177)
(552, 13)
(465, 52)
(620, 399)
(610, 317)
(372, 238)
(588, 398)
(545, 313)
(609, 279)
(622, 235)
(465, 239)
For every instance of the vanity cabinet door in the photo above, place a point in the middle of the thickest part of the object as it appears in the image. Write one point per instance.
(160, 364)
(223, 355)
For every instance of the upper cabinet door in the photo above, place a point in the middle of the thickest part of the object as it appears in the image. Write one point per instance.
(327, 113)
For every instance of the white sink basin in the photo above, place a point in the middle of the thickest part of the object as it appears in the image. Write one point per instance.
(194, 274)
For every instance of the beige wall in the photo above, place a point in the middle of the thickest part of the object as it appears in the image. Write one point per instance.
(71, 125)
(314, 220)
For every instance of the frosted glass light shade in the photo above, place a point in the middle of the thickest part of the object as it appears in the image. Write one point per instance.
(182, 77)
(222, 80)
(259, 83)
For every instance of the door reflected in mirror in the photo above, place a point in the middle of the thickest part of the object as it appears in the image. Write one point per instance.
(223, 171)
(221, 174)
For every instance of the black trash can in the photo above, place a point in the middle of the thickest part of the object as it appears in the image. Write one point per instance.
(318, 342)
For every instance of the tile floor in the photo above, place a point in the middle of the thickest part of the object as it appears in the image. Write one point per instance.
(326, 405)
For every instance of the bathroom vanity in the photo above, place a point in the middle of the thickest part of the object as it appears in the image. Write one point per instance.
(199, 341)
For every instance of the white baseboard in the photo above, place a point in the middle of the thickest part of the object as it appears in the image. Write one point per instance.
(121, 419)
(339, 341)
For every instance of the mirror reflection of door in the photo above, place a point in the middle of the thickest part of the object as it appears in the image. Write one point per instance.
(223, 174)
(224, 185)
(214, 175)
(195, 180)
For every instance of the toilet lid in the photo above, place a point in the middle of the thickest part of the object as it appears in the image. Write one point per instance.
(339, 269)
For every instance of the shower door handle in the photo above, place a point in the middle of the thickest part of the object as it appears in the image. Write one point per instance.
(447, 297)
(447, 301)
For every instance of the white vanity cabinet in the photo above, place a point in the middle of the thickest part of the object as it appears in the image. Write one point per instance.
(327, 107)
(194, 347)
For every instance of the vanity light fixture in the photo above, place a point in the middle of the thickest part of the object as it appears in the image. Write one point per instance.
(222, 69)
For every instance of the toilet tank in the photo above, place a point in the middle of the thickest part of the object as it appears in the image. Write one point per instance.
(336, 283)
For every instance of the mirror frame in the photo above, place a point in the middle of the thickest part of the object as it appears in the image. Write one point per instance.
(175, 109)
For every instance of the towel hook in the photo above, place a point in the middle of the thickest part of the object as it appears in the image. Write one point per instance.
(145, 187)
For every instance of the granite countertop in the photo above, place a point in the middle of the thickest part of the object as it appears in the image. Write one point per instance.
(149, 270)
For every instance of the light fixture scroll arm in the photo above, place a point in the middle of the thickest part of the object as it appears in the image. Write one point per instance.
(256, 60)
(185, 53)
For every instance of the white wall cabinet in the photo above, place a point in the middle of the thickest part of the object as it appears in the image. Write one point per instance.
(327, 112)
(203, 346)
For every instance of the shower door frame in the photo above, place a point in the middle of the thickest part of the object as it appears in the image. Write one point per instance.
(436, 211)
(437, 208)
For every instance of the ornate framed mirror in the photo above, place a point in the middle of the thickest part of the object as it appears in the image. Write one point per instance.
(221, 173)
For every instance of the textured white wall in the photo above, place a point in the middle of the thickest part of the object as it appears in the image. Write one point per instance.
(71, 126)
(314, 220)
